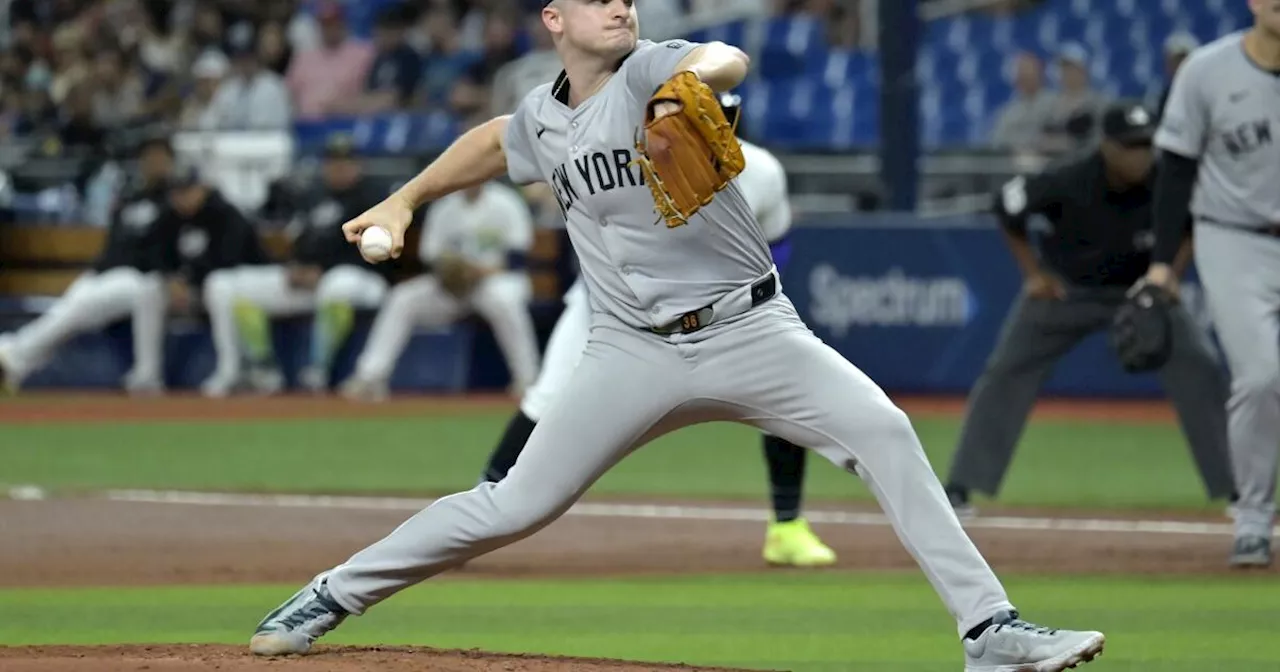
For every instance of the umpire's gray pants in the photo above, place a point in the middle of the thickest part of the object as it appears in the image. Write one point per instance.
(1036, 334)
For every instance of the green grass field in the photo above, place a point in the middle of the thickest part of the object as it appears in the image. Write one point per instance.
(796, 621)
(1130, 465)
(815, 622)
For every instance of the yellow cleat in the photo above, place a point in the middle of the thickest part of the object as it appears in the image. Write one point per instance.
(793, 544)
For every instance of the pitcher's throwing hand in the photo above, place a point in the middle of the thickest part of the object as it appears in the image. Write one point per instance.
(392, 214)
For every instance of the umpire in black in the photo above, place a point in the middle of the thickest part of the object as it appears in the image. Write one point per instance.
(1099, 209)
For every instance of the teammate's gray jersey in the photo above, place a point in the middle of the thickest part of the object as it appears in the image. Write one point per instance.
(1224, 110)
(635, 267)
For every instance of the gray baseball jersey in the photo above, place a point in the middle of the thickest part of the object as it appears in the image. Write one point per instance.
(753, 361)
(585, 154)
(1224, 111)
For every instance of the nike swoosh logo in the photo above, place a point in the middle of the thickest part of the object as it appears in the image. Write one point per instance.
(540, 131)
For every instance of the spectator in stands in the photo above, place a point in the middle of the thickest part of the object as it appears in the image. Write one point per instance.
(1021, 124)
(445, 60)
(273, 48)
(1073, 122)
(70, 64)
(516, 79)
(120, 284)
(197, 112)
(78, 131)
(325, 275)
(471, 93)
(207, 28)
(1177, 47)
(119, 92)
(396, 67)
(321, 79)
(159, 50)
(250, 98)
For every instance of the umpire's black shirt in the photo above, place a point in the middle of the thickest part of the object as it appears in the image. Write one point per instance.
(217, 236)
(317, 227)
(133, 235)
(1100, 236)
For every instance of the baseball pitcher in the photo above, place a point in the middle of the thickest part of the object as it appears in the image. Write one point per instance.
(789, 540)
(326, 277)
(688, 325)
(1222, 164)
(475, 244)
(122, 283)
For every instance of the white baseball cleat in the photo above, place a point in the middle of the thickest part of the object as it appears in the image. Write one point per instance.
(295, 625)
(143, 383)
(1011, 644)
(360, 389)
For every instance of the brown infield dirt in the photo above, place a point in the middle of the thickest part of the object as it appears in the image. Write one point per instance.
(86, 541)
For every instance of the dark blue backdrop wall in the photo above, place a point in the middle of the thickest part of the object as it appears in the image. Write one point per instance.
(918, 304)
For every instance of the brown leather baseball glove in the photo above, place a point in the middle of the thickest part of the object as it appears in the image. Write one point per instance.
(456, 275)
(689, 155)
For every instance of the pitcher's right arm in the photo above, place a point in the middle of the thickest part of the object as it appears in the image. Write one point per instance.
(476, 157)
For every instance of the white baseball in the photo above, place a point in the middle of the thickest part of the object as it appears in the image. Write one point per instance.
(375, 243)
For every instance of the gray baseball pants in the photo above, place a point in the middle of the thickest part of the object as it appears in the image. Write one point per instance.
(762, 367)
(1241, 276)
(1036, 334)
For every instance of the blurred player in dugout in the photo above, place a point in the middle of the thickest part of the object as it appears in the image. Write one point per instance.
(324, 276)
(201, 234)
(484, 234)
(1098, 206)
(121, 283)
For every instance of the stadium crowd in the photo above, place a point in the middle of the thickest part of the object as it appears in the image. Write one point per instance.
(74, 71)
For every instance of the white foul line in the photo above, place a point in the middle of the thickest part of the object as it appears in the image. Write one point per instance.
(668, 512)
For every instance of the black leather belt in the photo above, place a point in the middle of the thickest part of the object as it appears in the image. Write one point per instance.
(1270, 230)
(692, 321)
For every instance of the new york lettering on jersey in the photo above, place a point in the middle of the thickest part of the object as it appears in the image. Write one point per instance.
(600, 171)
(646, 274)
(1224, 110)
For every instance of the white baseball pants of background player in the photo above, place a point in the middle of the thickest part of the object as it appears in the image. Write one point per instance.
(564, 348)
(757, 366)
(501, 299)
(94, 301)
(268, 288)
(1240, 272)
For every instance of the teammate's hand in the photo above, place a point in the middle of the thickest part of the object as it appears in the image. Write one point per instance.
(1162, 276)
(392, 214)
(1041, 285)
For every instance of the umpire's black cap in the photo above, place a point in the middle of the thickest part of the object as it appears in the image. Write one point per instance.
(1129, 124)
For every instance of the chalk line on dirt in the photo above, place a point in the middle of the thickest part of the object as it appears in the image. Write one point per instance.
(672, 512)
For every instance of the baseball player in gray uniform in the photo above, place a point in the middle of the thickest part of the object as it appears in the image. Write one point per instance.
(688, 325)
(789, 540)
(1222, 164)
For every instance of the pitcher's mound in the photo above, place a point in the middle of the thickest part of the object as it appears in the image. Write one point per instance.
(189, 658)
